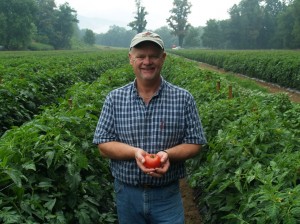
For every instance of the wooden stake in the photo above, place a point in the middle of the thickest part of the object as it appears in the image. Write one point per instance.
(70, 102)
(230, 92)
(218, 86)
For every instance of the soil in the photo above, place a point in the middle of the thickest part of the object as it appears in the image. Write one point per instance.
(272, 88)
(192, 215)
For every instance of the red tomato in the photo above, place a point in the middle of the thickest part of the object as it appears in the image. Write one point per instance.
(152, 161)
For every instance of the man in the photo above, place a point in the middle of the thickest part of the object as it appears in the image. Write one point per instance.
(149, 115)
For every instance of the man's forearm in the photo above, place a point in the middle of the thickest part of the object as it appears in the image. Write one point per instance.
(122, 151)
(183, 152)
(117, 150)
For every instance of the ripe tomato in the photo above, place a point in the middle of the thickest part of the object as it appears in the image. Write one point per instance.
(152, 161)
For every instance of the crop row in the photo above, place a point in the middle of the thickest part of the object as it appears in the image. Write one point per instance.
(247, 173)
(29, 81)
(249, 170)
(278, 67)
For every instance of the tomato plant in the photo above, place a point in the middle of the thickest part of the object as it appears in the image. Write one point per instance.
(152, 161)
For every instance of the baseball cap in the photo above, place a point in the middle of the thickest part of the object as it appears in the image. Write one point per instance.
(147, 36)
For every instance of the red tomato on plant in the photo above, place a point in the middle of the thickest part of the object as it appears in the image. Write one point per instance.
(152, 161)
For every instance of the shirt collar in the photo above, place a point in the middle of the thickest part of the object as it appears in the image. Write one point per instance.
(162, 84)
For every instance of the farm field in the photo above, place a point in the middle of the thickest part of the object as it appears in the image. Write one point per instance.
(52, 173)
(294, 95)
(281, 67)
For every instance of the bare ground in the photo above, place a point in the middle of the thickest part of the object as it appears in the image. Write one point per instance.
(293, 94)
(192, 215)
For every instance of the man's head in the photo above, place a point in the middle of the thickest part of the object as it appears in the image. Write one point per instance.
(147, 36)
(147, 56)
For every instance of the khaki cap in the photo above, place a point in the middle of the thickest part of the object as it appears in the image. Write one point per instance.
(147, 36)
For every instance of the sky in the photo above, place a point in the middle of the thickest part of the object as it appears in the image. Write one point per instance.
(99, 15)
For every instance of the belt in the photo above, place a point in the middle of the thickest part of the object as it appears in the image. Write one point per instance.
(150, 186)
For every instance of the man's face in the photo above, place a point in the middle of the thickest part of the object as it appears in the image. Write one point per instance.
(147, 61)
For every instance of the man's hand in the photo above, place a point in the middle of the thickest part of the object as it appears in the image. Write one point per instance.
(157, 172)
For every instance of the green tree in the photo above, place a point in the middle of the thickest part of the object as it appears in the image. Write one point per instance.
(285, 30)
(45, 20)
(89, 37)
(193, 37)
(271, 10)
(16, 23)
(178, 19)
(296, 28)
(212, 34)
(165, 33)
(252, 20)
(140, 23)
(116, 36)
(65, 18)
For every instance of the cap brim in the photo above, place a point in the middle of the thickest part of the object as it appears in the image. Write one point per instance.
(136, 42)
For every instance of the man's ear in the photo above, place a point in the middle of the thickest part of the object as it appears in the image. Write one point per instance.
(131, 59)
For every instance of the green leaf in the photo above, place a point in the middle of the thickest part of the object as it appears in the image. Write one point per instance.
(50, 204)
(15, 175)
(45, 184)
(9, 216)
(49, 156)
(29, 166)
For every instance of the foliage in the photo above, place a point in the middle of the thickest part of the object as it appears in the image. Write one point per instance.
(21, 22)
(256, 24)
(50, 171)
(45, 21)
(169, 39)
(16, 23)
(193, 37)
(35, 46)
(212, 36)
(31, 80)
(278, 67)
(116, 36)
(140, 23)
(120, 37)
(89, 37)
(178, 19)
(65, 17)
(247, 173)
(249, 170)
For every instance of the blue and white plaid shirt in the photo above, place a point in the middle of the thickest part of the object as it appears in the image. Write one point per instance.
(170, 119)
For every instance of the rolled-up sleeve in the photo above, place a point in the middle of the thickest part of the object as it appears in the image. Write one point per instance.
(105, 131)
(194, 130)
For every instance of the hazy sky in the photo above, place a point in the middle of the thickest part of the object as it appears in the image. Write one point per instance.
(99, 15)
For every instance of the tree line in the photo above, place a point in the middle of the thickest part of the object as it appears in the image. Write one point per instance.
(252, 24)
(24, 21)
(256, 24)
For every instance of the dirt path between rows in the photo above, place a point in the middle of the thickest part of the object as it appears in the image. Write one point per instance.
(192, 214)
(293, 94)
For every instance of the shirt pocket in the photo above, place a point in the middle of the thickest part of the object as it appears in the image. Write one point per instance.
(170, 132)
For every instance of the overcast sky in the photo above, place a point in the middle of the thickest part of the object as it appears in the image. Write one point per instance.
(99, 15)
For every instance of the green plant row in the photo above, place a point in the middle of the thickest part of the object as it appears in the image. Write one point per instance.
(281, 67)
(249, 172)
(31, 80)
(50, 172)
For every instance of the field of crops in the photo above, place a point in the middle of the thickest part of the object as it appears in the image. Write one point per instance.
(280, 67)
(50, 172)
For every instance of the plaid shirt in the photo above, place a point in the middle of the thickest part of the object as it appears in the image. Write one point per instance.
(170, 119)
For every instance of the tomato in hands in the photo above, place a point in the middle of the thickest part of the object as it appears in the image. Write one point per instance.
(152, 161)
